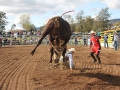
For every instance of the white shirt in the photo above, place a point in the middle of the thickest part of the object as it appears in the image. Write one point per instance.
(70, 56)
(115, 37)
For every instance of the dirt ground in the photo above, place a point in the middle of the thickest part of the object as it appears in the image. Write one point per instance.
(21, 71)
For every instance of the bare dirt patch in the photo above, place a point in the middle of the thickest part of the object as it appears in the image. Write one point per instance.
(21, 71)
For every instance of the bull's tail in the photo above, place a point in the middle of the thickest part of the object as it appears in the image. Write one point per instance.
(67, 12)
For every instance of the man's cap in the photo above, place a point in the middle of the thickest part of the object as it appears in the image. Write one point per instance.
(92, 32)
(71, 49)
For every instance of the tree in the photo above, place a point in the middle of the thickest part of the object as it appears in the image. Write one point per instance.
(88, 24)
(117, 24)
(3, 21)
(103, 18)
(25, 22)
(13, 26)
(73, 25)
(80, 20)
(96, 26)
(42, 27)
(33, 28)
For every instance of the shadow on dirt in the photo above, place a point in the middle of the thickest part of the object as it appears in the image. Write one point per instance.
(113, 80)
(114, 64)
(84, 69)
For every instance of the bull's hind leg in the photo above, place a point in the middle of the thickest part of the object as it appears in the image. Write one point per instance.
(51, 54)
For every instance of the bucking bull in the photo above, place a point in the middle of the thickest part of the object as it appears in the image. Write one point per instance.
(59, 33)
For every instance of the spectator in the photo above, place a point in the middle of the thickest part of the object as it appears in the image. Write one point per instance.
(14, 40)
(0, 42)
(115, 40)
(5, 41)
(75, 41)
(105, 40)
(18, 33)
(85, 41)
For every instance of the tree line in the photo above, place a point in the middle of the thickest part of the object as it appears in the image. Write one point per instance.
(84, 23)
(81, 23)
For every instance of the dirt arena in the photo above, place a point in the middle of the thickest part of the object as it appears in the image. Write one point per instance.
(21, 71)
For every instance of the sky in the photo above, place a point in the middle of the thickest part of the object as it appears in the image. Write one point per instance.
(41, 11)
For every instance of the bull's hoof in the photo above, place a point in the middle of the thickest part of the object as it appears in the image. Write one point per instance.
(56, 60)
(50, 62)
(32, 53)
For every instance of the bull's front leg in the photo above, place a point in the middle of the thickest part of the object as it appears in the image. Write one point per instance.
(56, 57)
(63, 54)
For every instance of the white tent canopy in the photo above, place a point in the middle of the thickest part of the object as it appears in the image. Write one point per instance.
(18, 28)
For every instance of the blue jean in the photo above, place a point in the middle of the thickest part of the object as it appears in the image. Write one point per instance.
(115, 45)
(105, 43)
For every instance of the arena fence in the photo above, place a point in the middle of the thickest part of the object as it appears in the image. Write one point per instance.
(33, 40)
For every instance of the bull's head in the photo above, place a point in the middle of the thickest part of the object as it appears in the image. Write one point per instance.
(58, 45)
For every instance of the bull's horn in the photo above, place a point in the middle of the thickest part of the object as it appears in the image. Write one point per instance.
(67, 12)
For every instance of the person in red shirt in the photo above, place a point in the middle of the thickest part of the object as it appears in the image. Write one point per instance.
(95, 47)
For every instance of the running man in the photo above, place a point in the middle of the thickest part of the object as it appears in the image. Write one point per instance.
(95, 47)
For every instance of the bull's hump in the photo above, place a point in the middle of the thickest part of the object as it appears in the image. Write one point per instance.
(55, 17)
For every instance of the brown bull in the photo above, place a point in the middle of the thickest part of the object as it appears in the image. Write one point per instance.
(59, 33)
